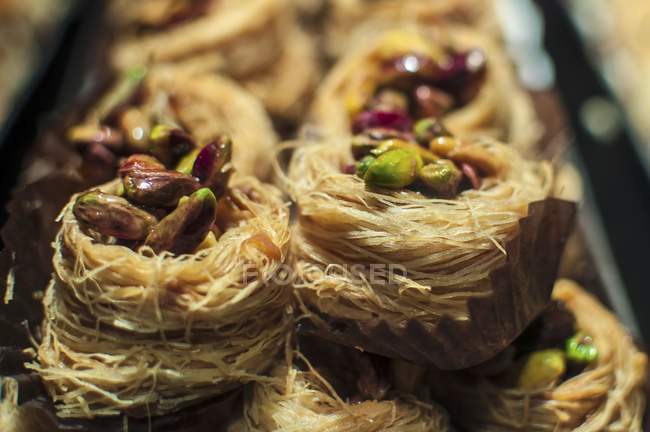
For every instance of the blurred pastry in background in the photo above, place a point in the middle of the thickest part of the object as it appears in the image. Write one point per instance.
(456, 75)
(347, 16)
(257, 42)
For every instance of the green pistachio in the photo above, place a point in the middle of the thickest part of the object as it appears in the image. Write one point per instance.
(394, 169)
(443, 145)
(442, 176)
(362, 145)
(581, 349)
(392, 144)
(185, 228)
(541, 368)
(363, 164)
(429, 128)
(112, 216)
(186, 163)
(168, 143)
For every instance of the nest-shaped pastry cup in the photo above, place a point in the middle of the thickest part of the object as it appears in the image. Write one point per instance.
(131, 331)
(286, 87)
(348, 16)
(607, 396)
(501, 109)
(446, 304)
(257, 42)
(304, 401)
(244, 36)
(209, 105)
(38, 415)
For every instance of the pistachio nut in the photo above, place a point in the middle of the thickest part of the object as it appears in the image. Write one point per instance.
(443, 177)
(212, 165)
(581, 349)
(478, 157)
(443, 145)
(389, 100)
(139, 162)
(135, 126)
(112, 216)
(169, 143)
(94, 133)
(471, 174)
(431, 101)
(363, 164)
(364, 143)
(185, 228)
(163, 188)
(540, 369)
(186, 163)
(392, 144)
(394, 169)
(429, 128)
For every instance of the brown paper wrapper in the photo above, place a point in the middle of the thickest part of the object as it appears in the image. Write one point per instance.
(521, 289)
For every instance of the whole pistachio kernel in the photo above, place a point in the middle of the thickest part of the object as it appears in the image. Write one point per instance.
(396, 143)
(363, 164)
(112, 216)
(427, 129)
(394, 169)
(443, 145)
(185, 228)
(169, 143)
(580, 349)
(158, 188)
(212, 165)
(541, 368)
(443, 177)
(186, 163)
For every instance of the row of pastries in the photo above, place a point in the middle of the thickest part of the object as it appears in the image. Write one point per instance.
(318, 216)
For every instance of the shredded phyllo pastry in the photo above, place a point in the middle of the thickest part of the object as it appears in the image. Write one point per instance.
(148, 109)
(303, 400)
(455, 75)
(347, 18)
(592, 381)
(155, 304)
(437, 247)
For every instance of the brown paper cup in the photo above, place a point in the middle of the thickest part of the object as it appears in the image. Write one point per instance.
(521, 289)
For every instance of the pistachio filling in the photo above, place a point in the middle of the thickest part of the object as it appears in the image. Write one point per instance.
(428, 159)
(403, 110)
(165, 209)
(550, 351)
(132, 117)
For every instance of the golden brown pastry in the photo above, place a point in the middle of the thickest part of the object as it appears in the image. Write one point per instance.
(409, 250)
(591, 380)
(456, 75)
(163, 294)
